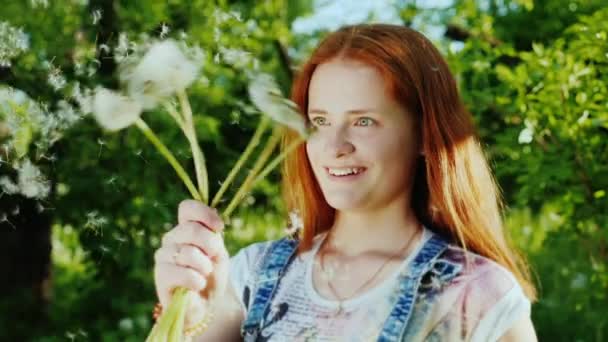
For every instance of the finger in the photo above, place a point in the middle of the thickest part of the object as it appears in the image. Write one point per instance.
(191, 210)
(193, 234)
(187, 256)
(169, 276)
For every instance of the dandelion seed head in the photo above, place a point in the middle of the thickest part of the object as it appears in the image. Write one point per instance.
(266, 95)
(114, 111)
(162, 71)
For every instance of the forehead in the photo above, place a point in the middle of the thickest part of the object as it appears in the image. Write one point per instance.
(341, 85)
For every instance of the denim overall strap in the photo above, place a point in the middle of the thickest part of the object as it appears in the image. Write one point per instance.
(278, 256)
(409, 281)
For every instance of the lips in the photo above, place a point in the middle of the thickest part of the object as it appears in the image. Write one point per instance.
(345, 173)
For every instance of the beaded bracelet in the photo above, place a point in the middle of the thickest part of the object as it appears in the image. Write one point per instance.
(190, 331)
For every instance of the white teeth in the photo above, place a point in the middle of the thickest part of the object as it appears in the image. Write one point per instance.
(344, 172)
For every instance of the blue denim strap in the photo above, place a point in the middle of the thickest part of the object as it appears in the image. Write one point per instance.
(278, 256)
(409, 281)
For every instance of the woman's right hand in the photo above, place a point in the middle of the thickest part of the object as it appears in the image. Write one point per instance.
(193, 255)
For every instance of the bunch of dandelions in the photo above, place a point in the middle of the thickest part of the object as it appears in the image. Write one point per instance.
(161, 78)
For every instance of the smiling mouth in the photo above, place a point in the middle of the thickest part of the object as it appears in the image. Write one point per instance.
(345, 173)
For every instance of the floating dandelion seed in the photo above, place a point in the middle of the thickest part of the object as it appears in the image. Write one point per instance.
(51, 158)
(70, 335)
(95, 222)
(295, 223)
(4, 218)
(101, 144)
(40, 208)
(105, 48)
(139, 154)
(96, 16)
(16, 211)
(164, 31)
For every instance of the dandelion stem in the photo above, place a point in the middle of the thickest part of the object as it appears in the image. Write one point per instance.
(277, 160)
(253, 143)
(165, 152)
(271, 144)
(176, 116)
(197, 153)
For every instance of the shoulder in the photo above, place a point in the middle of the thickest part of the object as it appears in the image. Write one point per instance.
(484, 292)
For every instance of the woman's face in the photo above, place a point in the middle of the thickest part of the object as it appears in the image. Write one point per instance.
(365, 145)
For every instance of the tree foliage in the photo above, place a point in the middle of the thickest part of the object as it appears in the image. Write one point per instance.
(533, 73)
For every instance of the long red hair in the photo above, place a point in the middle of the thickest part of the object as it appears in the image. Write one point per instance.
(454, 192)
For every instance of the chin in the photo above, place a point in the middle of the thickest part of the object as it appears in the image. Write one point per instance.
(344, 204)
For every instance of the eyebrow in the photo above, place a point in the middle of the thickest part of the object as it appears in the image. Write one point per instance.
(349, 112)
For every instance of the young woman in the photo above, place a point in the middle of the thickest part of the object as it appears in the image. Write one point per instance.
(402, 237)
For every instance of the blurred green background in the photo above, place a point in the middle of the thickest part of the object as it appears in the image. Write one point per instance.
(78, 264)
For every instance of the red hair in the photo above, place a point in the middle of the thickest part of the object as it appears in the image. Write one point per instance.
(454, 192)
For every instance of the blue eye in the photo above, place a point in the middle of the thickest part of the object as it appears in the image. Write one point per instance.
(366, 122)
(318, 120)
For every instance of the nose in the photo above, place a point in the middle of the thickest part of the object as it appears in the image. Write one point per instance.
(338, 144)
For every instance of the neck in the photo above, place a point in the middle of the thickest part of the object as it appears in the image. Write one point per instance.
(384, 230)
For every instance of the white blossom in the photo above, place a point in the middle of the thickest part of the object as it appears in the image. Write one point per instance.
(13, 41)
(162, 71)
(39, 3)
(114, 111)
(83, 98)
(122, 49)
(32, 182)
(56, 79)
(8, 186)
(527, 134)
(266, 95)
(236, 57)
